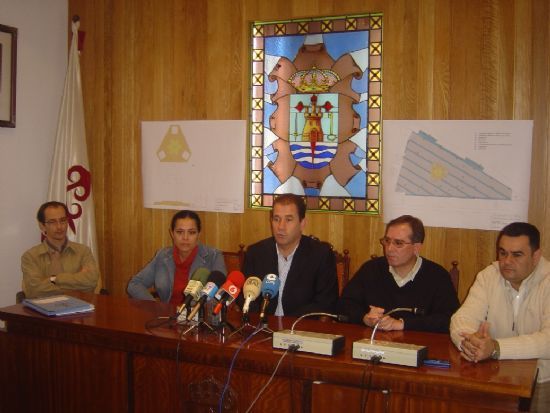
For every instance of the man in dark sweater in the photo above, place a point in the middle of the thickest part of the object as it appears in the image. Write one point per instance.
(305, 266)
(401, 279)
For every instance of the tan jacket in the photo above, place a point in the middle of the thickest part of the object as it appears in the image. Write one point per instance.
(80, 270)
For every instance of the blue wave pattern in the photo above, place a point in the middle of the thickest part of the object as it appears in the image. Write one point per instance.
(324, 153)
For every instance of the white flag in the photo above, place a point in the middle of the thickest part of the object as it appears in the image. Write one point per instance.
(70, 178)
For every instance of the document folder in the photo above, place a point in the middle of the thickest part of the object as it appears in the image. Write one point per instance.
(58, 305)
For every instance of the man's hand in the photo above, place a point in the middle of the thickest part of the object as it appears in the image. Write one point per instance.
(389, 323)
(479, 345)
(373, 316)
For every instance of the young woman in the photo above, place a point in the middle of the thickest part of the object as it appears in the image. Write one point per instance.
(169, 271)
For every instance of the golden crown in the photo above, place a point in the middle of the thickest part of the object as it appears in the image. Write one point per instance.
(314, 80)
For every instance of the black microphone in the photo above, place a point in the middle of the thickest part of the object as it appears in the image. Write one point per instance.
(338, 317)
(342, 318)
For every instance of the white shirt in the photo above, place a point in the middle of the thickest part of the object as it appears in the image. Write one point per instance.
(401, 281)
(283, 265)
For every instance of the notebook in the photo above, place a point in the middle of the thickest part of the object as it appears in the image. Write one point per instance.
(58, 305)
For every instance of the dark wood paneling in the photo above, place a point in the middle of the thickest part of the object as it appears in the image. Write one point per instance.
(41, 375)
(114, 359)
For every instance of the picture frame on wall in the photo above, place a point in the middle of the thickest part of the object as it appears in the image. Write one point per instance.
(8, 74)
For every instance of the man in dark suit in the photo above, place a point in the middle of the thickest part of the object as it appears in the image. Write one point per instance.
(306, 267)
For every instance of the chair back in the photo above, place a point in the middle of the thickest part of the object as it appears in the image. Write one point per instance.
(454, 273)
(19, 297)
(342, 269)
(234, 260)
(342, 264)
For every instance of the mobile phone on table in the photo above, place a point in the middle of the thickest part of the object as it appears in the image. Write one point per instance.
(444, 364)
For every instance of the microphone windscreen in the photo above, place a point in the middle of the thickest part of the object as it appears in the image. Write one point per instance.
(237, 278)
(217, 277)
(209, 290)
(342, 318)
(419, 311)
(200, 274)
(270, 285)
(252, 287)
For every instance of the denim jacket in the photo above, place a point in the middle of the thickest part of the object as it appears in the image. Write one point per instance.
(159, 272)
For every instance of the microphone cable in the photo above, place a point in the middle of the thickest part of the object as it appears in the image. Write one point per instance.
(157, 322)
(363, 400)
(291, 348)
(231, 365)
(293, 351)
(178, 378)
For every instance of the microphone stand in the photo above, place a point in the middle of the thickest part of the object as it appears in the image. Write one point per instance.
(199, 323)
(263, 325)
(244, 325)
(181, 317)
(224, 324)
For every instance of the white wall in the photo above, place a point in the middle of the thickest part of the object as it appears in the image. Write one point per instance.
(26, 151)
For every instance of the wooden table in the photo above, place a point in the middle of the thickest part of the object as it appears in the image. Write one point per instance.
(109, 361)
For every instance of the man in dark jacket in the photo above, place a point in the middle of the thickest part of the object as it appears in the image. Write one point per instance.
(305, 266)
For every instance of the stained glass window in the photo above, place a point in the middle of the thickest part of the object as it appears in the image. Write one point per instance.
(316, 112)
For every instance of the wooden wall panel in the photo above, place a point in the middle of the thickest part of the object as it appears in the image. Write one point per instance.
(188, 59)
(540, 110)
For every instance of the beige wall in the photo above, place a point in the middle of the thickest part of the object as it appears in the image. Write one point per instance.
(188, 59)
(26, 150)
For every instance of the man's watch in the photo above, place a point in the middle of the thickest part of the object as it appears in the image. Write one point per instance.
(52, 279)
(495, 355)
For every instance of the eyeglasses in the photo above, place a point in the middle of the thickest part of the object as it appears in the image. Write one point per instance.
(60, 221)
(399, 243)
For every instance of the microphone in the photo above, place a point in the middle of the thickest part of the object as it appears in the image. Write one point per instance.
(341, 318)
(251, 291)
(194, 286)
(414, 310)
(215, 280)
(389, 352)
(270, 289)
(229, 290)
(318, 343)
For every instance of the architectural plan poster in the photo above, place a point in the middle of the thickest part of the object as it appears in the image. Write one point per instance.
(198, 165)
(457, 174)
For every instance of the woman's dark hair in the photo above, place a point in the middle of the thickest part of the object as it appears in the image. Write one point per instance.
(185, 214)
